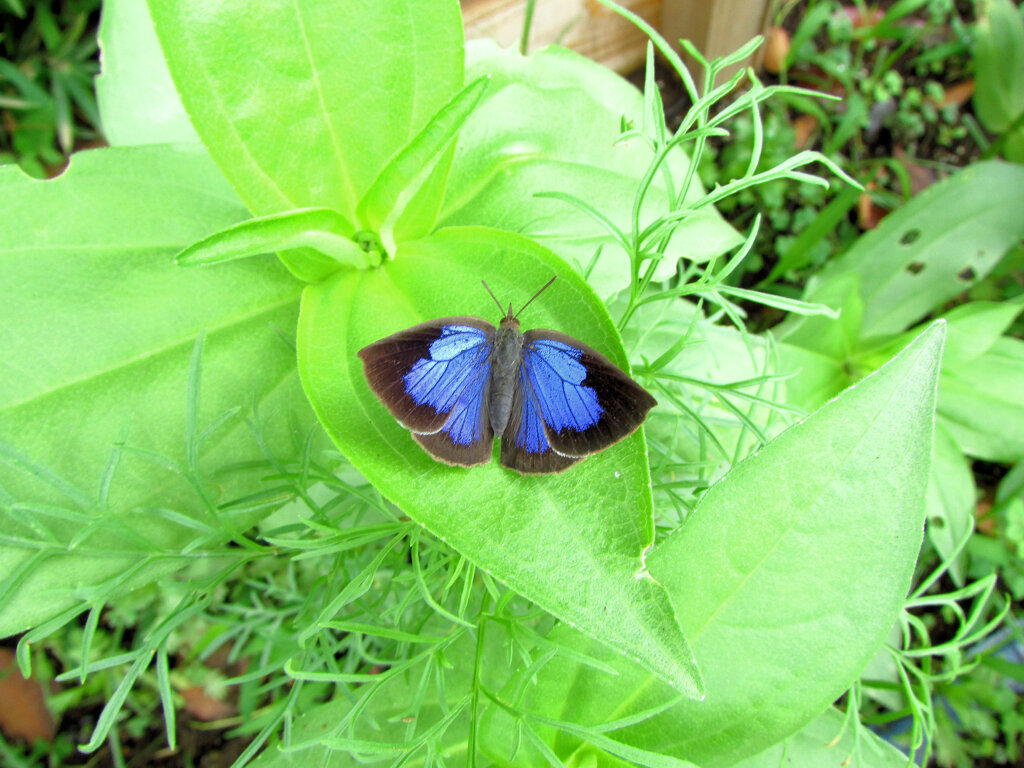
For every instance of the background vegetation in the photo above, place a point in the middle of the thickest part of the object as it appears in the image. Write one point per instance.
(337, 586)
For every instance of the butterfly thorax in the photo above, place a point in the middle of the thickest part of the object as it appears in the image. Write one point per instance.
(506, 358)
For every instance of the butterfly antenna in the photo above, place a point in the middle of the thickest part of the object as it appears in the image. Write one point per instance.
(501, 308)
(538, 293)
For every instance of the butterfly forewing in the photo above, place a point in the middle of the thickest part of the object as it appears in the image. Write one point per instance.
(466, 437)
(585, 401)
(433, 378)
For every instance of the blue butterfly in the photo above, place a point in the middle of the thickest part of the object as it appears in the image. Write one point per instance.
(458, 382)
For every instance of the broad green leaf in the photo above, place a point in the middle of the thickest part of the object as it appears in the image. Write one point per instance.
(980, 403)
(1011, 485)
(320, 228)
(134, 92)
(818, 745)
(974, 327)
(951, 500)
(400, 180)
(819, 352)
(517, 144)
(936, 246)
(302, 102)
(98, 329)
(836, 339)
(573, 542)
(814, 378)
(1013, 149)
(778, 577)
(971, 331)
(999, 65)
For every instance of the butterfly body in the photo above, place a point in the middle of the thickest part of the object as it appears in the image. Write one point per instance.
(458, 382)
(507, 359)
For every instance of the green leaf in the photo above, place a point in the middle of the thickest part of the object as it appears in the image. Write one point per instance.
(821, 350)
(99, 332)
(951, 500)
(321, 229)
(778, 577)
(1011, 485)
(980, 403)
(303, 102)
(515, 145)
(573, 542)
(816, 745)
(389, 196)
(974, 327)
(936, 246)
(999, 65)
(136, 97)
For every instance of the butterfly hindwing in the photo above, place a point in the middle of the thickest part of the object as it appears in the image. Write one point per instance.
(434, 379)
(585, 401)
(524, 446)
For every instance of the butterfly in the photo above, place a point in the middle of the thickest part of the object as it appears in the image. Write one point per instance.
(458, 382)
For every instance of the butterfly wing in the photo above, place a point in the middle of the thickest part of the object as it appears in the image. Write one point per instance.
(434, 379)
(524, 445)
(581, 401)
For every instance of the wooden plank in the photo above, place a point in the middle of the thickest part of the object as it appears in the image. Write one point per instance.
(585, 26)
(716, 27)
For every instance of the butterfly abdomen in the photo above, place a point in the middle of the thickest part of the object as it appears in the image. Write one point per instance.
(505, 361)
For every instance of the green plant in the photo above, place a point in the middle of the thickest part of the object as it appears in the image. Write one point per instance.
(389, 607)
(47, 63)
(891, 117)
(999, 63)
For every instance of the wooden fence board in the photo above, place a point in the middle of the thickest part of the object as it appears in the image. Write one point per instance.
(716, 27)
(585, 26)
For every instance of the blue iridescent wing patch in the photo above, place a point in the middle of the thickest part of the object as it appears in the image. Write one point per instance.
(571, 401)
(434, 379)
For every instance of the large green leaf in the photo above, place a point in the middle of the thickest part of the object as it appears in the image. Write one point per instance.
(936, 246)
(999, 63)
(98, 329)
(829, 742)
(951, 500)
(982, 376)
(786, 578)
(980, 403)
(573, 543)
(397, 194)
(302, 102)
(517, 144)
(134, 92)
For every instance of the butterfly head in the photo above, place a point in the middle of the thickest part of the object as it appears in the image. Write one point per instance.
(511, 318)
